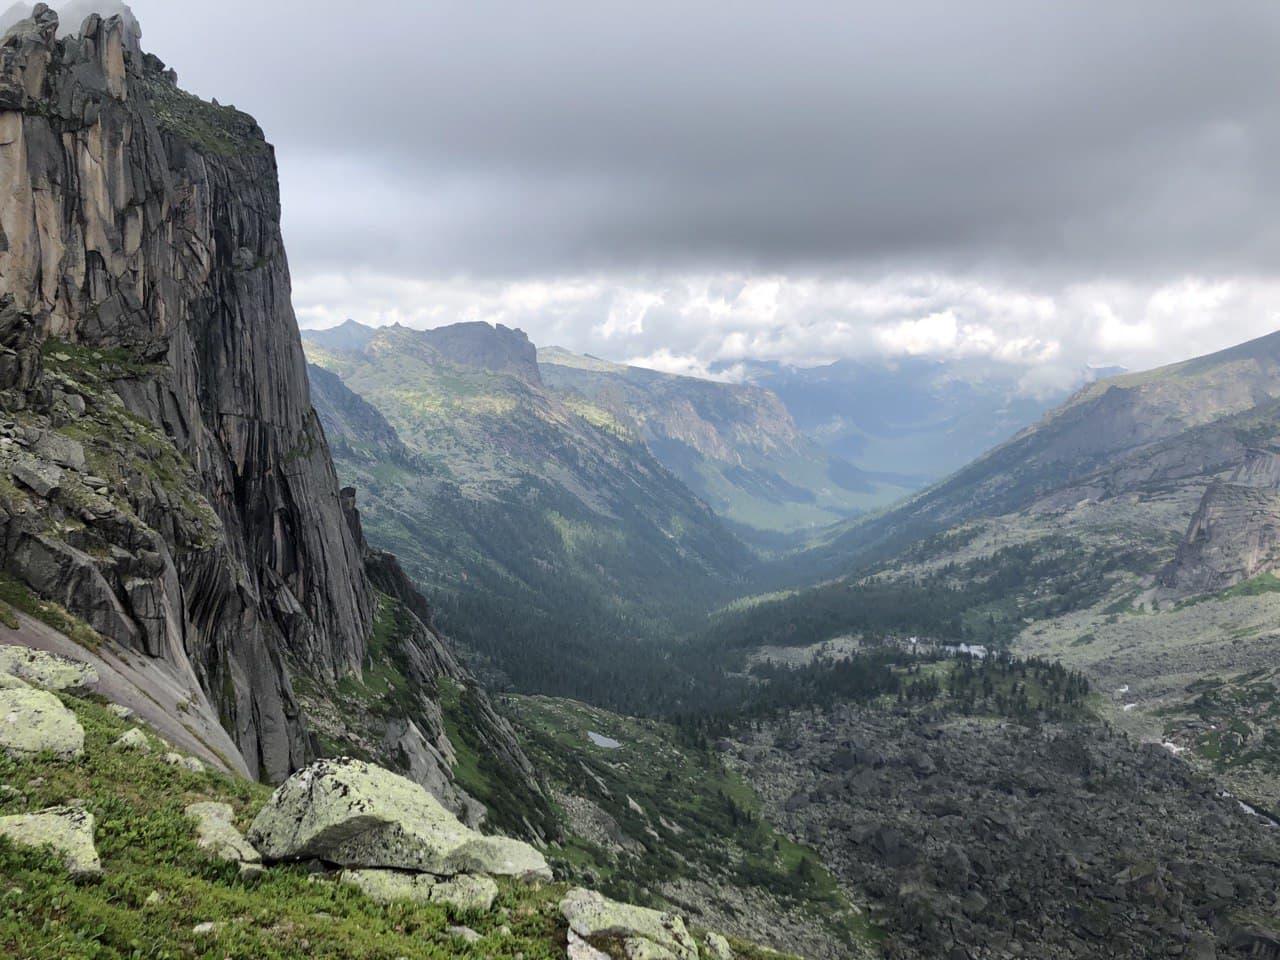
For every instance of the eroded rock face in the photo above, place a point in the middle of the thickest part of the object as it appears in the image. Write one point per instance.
(641, 933)
(34, 721)
(67, 830)
(1235, 533)
(355, 814)
(173, 487)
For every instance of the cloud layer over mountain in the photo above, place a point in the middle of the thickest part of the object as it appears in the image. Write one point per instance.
(1072, 181)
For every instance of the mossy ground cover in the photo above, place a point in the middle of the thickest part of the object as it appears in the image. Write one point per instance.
(146, 845)
(685, 813)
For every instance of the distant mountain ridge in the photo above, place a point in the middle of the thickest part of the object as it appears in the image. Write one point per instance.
(1111, 435)
(735, 445)
(914, 418)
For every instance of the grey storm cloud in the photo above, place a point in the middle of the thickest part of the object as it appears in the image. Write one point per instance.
(515, 138)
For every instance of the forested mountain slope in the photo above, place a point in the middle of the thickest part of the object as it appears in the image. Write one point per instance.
(1131, 534)
(544, 527)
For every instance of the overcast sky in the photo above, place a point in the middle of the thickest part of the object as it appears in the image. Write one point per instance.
(1051, 183)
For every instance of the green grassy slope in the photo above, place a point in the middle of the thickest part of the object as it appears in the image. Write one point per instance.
(157, 888)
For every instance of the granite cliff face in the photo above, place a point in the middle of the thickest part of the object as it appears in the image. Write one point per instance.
(1235, 534)
(172, 487)
(141, 226)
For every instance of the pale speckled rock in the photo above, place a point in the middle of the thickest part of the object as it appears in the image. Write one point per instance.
(120, 710)
(466, 934)
(175, 759)
(465, 892)
(63, 451)
(638, 948)
(389, 886)
(717, 947)
(46, 670)
(598, 920)
(216, 833)
(68, 830)
(133, 739)
(579, 949)
(42, 479)
(359, 815)
(32, 721)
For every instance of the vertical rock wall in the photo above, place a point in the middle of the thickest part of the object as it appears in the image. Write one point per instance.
(142, 273)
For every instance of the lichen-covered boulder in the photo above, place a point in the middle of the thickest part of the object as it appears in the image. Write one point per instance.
(133, 739)
(637, 930)
(389, 886)
(46, 670)
(67, 830)
(465, 892)
(717, 947)
(216, 833)
(356, 814)
(33, 721)
(191, 764)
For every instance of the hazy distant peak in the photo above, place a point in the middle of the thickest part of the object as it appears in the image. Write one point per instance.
(350, 335)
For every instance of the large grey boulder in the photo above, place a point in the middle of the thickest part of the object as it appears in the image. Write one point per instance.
(641, 933)
(42, 479)
(465, 892)
(216, 833)
(67, 830)
(356, 814)
(34, 721)
(46, 670)
(63, 451)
